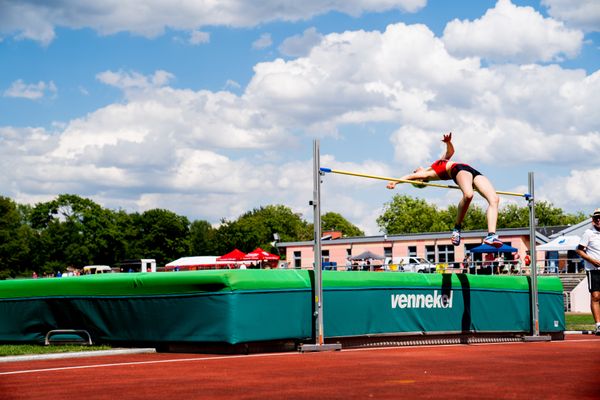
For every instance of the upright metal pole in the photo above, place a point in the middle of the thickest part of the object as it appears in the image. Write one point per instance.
(317, 246)
(318, 271)
(535, 316)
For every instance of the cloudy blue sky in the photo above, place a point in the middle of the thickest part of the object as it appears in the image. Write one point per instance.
(209, 108)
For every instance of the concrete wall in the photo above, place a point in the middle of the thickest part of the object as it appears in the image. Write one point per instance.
(580, 297)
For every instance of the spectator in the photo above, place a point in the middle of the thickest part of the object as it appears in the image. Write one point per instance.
(527, 259)
(488, 263)
(466, 263)
(589, 250)
(498, 264)
(517, 263)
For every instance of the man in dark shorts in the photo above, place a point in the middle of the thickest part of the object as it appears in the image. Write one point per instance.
(589, 250)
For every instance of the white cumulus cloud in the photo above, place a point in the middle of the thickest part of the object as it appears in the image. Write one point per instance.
(35, 20)
(199, 37)
(134, 80)
(512, 33)
(263, 41)
(162, 146)
(300, 45)
(581, 187)
(581, 14)
(31, 91)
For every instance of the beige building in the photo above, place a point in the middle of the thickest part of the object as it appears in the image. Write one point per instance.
(435, 247)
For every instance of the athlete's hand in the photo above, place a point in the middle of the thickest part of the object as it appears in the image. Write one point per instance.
(447, 137)
(391, 185)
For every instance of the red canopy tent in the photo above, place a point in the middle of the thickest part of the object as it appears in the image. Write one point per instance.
(235, 255)
(259, 254)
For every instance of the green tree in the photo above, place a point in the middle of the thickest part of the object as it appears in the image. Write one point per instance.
(513, 216)
(404, 214)
(74, 231)
(474, 219)
(256, 228)
(160, 234)
(548, 215)
(408, 215)
(202, 238)
(15, 240)
(125, 233)
(333, 221)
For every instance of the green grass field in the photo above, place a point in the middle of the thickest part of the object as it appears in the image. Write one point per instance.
(29, 349)
(579, 321)
(574, 321)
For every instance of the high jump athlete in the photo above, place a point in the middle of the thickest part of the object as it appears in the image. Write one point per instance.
(468, 179)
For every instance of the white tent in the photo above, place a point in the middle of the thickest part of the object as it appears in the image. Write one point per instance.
(561, 243)
(196, 261)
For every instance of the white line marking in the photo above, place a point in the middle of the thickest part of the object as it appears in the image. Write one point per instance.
(176, 360)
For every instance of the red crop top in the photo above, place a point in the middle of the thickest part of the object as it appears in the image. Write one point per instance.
(439, 167)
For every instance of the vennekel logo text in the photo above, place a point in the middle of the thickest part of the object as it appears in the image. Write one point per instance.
(434, 300)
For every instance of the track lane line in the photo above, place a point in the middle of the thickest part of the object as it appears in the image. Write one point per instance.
(229, 357)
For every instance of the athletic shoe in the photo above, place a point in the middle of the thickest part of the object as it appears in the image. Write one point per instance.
(597, 331)
(493, 240)
(455, 239)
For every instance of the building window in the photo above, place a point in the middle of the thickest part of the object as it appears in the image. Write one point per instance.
(325, 256)
(387, 252)
(446, 253)
(430, 253)
(412, 251)
(297, 259)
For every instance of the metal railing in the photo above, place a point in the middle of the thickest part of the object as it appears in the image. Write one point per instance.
(516, 267)
(76, 336)
(503, 267)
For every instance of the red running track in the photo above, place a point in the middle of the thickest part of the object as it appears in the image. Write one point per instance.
(567, 369)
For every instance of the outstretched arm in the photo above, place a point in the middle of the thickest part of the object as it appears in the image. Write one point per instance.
(449, 147)
(420, 174)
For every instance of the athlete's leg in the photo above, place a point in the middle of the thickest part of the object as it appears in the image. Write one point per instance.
(464, 179)
(485, 188)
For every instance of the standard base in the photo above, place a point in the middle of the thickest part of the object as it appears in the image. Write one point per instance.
(320, 347)
(537, 338)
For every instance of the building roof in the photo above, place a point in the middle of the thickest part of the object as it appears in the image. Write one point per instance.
(577, 229)
(552, 231)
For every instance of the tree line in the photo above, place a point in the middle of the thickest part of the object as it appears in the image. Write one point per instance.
(405, 214)
(74, 231)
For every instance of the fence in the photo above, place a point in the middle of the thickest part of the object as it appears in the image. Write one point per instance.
(517, 267)
(496, 267)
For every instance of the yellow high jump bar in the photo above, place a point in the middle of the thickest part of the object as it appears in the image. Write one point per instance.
(439, 185)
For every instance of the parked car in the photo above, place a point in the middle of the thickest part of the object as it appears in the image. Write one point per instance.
(408, 264)
(96, 269)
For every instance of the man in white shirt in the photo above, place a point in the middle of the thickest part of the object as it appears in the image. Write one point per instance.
(589, 250)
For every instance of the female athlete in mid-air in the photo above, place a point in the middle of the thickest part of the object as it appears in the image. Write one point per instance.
(468, 179)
